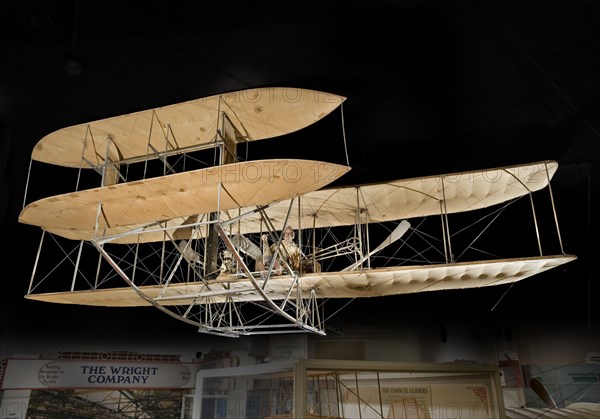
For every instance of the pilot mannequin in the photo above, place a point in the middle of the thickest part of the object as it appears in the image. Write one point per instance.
(288, 251)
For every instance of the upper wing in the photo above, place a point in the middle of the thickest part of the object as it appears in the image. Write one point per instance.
(389, 201)
(178, 197)
(408, 198)
(256, 113)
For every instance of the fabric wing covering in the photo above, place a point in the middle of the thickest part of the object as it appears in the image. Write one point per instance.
(380, 202)
(409, 198)
(256, 113)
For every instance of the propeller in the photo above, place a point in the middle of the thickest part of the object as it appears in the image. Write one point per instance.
(395, 235)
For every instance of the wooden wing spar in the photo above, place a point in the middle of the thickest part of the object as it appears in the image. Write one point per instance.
(255, 113)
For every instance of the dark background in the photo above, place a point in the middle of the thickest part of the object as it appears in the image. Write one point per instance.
(432, 87)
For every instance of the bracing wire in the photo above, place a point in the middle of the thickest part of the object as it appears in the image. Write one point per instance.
(344, 134)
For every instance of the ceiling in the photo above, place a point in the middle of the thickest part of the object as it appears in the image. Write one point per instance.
(432, 87)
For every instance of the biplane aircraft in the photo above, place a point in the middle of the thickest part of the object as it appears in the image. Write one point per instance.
(164, 228)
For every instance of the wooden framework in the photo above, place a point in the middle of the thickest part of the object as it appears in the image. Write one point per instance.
(185, 242)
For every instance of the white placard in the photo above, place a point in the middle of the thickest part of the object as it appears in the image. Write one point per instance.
(288, 347)
(44, 374)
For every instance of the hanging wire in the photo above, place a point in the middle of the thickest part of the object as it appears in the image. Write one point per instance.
(503, 295)
(339, 309)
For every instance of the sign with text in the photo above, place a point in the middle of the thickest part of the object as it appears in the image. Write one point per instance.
(420, 401)
(288, 347)
(44, 374)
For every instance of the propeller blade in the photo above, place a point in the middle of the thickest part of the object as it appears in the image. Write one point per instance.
(395, 235)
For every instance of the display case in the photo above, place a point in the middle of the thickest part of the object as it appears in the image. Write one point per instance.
(350, 389)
